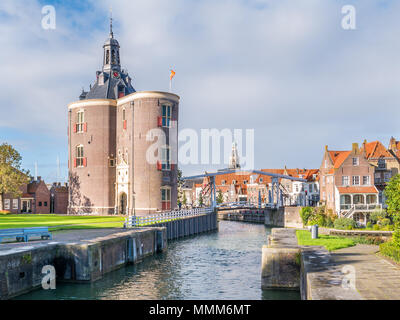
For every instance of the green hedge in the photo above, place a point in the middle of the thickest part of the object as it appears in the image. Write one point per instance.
(391, 250)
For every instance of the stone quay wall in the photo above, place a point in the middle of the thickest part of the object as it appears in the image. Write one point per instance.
(83, 261)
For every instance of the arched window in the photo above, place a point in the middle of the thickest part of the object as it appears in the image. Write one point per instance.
(113, 58)
(108, 57)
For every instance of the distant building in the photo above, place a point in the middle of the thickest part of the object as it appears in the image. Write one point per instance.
(35, 198)
(257, 188)
(59, 198)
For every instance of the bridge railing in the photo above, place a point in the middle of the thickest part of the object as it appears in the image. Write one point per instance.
(243, 204)
(141, 221)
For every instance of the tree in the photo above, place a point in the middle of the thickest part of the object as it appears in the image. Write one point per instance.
(220, 197)
(392, 194)
(12, 177)
(201, 201)
(184, 201)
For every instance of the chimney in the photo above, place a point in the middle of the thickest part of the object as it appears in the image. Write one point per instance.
(355, 148)
(326, 148)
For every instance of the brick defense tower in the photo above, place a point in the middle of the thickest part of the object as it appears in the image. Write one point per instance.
(110, 131)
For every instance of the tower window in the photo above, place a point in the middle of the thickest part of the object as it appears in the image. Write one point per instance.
(79, 156)
(166, 115)
(107, 56)
(165, 198)
(113, 57)
(165, 158)
(80, 121)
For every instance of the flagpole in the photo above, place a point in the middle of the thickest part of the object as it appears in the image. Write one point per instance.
(170, 85)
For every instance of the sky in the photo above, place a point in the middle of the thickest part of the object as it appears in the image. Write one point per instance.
(286, 69)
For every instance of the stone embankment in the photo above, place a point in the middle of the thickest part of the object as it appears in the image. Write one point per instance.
(286, 265)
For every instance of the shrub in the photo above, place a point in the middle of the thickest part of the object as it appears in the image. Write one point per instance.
(305, 214)
(345, 223)
(377, 215)
(384, 222)
(369, 224)
(391, 250)
(376, 227)
(4, 212)
(369, 240)
(396, 236)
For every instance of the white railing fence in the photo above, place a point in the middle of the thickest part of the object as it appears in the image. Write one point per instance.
(139, 221)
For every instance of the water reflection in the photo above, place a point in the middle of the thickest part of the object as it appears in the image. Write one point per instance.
(219, 265)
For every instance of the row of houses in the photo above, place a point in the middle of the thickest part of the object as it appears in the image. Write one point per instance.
(350, 183)
(38, 197)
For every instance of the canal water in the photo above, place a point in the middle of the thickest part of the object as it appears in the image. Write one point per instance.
(218, 265)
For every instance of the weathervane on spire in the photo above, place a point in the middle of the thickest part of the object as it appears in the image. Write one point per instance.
(111, 19)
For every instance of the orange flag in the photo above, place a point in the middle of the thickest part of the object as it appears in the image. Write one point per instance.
(172, 74)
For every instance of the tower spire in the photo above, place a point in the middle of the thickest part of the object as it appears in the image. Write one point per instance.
(111, 20)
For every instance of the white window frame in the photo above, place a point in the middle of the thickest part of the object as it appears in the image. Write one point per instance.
(344, 179)
(353, 180)
(7, 204)
(166, 158)
(80, 121)
(79, 155)
(166, 118)
(356, 162)
(367, 182)
(15, 204)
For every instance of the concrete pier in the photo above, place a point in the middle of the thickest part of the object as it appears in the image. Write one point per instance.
(281, 261)
(288, 217)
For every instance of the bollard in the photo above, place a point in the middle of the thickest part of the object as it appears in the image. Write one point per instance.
(314, 232)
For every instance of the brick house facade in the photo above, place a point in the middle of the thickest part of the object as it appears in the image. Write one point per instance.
(35, 198)
(347, 183)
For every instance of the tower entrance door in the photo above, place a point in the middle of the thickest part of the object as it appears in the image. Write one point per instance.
(122, 203)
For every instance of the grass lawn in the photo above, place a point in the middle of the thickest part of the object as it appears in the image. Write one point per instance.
(58, 222)
(329, 242)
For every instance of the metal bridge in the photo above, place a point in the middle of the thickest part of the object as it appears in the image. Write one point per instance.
(273, 202)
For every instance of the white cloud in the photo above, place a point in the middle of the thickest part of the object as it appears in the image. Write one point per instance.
(285, 68)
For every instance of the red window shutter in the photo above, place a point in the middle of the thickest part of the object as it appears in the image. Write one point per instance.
(74, 162)
(124, 124)
(85, 127)
(74, 128)
(159, 121)
(84, 162)
(172, 166)
(163, 206)
(121, 94)
(159, 167)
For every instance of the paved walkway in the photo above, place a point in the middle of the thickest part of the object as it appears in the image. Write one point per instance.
(376, 277)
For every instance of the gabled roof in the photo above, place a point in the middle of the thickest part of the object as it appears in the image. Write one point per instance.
(375, 149)
(338, 157)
